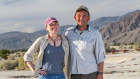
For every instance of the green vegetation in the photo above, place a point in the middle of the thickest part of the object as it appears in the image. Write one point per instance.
(21, 64)
(4, 53)
(131, 43)
(117, 44)
(110, 49)
(15, 61)
(119, 47)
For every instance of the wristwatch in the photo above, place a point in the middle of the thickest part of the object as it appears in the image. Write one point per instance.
(100, 73)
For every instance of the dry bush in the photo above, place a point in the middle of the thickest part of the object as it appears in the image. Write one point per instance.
(12, 56)
(9, 65)
(16, 61)
(21, 64)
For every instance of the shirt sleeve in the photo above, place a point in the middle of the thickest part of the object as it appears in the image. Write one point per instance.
(33, 49)
(99, 49)
(66, 34)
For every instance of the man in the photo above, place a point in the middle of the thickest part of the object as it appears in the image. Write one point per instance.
(86, 48)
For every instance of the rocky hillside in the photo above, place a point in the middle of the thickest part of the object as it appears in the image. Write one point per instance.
(103, 21)
(18, 40)
(125, 30)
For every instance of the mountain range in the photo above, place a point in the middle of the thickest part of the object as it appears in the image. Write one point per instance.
(124, 31)
(119, 29)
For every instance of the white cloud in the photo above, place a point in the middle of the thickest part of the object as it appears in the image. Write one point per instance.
(31, 14)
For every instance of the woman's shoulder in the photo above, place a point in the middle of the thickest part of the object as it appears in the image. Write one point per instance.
(63, 37)
(41, 38)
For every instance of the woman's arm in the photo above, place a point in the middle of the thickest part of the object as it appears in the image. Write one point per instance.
(28, 56)
(30, 65)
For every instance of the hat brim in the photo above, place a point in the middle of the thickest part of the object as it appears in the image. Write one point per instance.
(52, 21)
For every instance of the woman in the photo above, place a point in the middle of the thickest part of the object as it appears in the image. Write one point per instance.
(53, 51)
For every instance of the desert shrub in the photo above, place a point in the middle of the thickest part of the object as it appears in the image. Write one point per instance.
(21, 64)
(4, 53)
(12, 56)
(108, 50)
(9, 65)
(20, 54)
(138, 46)
(117, 44)
(16, 61)
(131, 43)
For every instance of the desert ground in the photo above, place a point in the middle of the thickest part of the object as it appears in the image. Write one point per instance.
(117, 66)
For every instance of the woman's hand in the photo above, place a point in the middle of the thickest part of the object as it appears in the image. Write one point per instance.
(42, 71)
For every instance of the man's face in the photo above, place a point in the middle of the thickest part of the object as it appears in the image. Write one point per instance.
(82, 18)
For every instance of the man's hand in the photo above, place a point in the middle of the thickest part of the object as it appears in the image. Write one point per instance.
(99, 76)
(42, 72)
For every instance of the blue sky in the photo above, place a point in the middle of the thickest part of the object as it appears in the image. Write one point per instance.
(29, 15)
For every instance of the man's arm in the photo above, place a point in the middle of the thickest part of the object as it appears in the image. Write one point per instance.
(100, 55)
(100, 66)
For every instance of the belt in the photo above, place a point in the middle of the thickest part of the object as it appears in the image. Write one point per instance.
(83, 74)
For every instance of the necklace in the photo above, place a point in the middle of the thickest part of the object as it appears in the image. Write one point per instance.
(54, 40)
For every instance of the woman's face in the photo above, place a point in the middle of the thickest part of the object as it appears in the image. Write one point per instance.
(53, 27)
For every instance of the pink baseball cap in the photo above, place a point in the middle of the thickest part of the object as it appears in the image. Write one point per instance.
(50, 20)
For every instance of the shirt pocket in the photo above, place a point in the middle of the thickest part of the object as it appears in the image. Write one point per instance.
(89, 43)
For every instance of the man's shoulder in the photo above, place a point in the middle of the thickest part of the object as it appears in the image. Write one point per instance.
(70, 28)
(94, 29)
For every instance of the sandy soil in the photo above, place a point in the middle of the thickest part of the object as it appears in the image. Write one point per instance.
(16, 75)
(122, 66)
(117, 66)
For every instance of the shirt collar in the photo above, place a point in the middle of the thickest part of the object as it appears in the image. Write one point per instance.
(88, 28)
